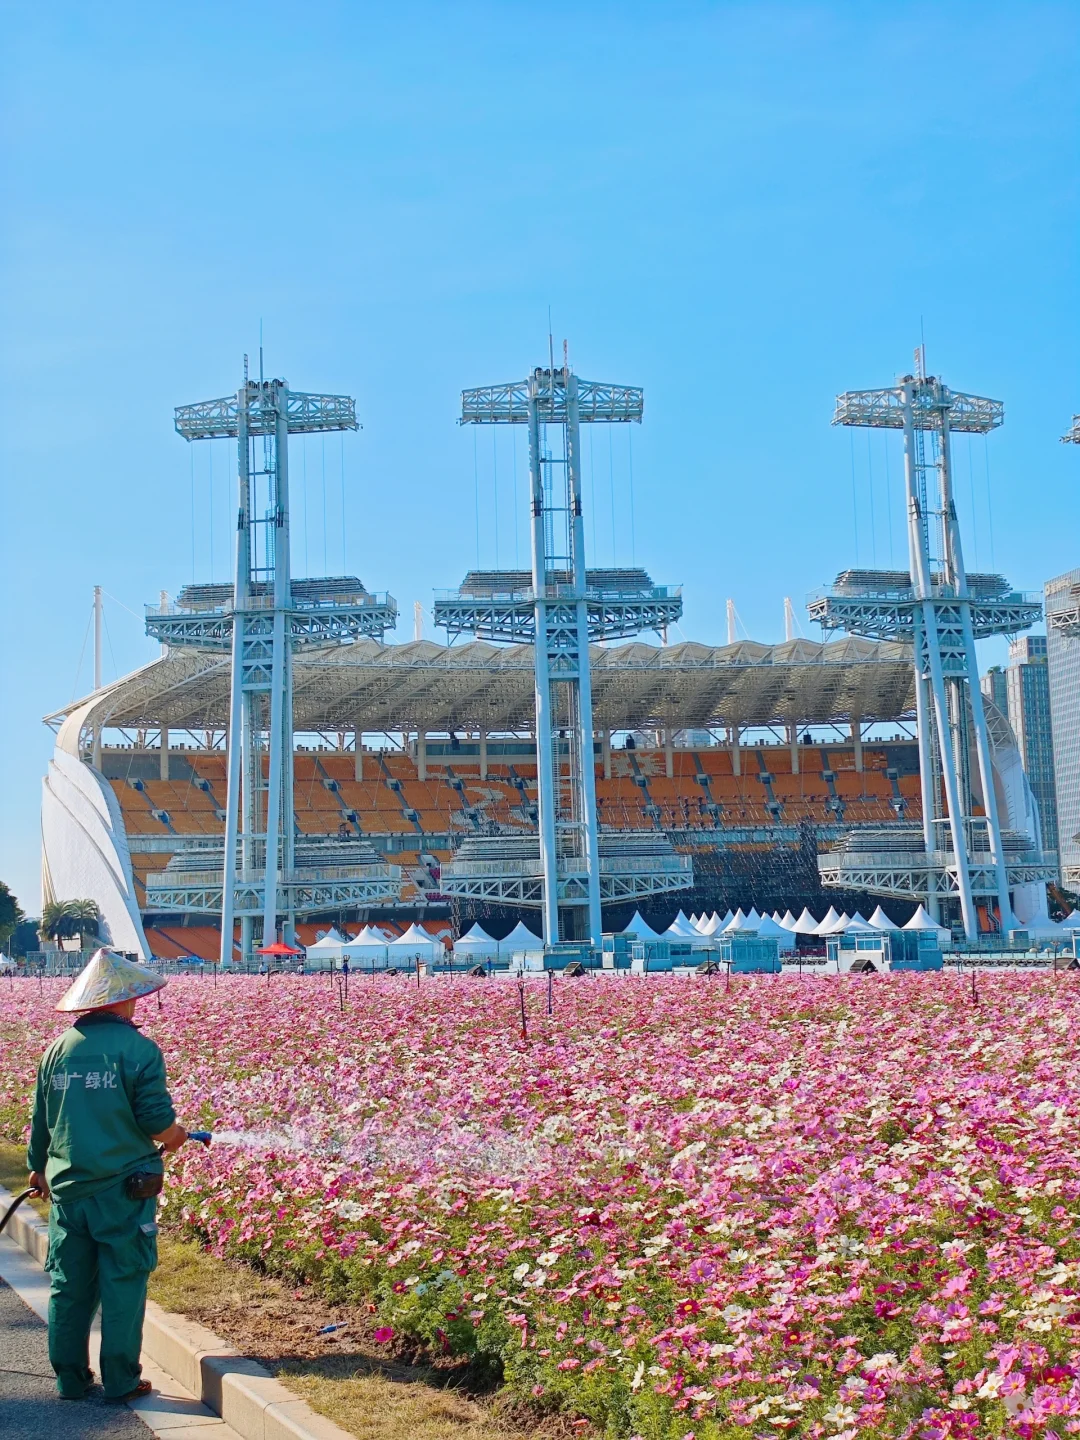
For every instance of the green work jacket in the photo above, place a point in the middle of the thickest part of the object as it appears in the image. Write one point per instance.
(100, 1096)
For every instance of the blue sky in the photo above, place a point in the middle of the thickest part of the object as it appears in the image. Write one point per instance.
(745, 208)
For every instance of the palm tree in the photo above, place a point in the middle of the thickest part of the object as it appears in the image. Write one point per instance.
(64, 919)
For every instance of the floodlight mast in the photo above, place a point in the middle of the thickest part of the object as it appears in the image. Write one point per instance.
(259, 814)
(554, 403)
(940, 617)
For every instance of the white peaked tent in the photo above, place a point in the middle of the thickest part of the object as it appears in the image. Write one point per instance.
(324, 952)
(639, 928)
(712, 924)
(418, 942)
(367, 951)
(681, 929)
(788, 922)
(736, 921)
(854, 922)
(520, 940)
(880, 921)
(774, 931)
(830, 922)
(753, 919)
(857, 925)
(805, 924)
(332, 940)
(726, 921)
(476, 942)
(372, 935)
(740, 922)
(922, 921)
(1071, 922)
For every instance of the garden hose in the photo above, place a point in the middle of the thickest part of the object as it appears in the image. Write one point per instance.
(202, 1136)
(15, 1205)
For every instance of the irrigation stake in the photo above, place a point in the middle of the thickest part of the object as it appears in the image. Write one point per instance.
(341, 997)
(521, 997)
(418, 972)
(551, 1007)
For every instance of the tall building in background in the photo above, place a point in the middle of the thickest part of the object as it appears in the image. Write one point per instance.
(1027, 685)
(996, 688)
(1063, 672)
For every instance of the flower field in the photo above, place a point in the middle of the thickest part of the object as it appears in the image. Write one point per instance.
(823, 1207)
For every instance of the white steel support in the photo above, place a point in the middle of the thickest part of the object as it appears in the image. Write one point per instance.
(583, 740)
(545, 770)
(97, 637)
(263, 625)
(560, 612)
(938, 610)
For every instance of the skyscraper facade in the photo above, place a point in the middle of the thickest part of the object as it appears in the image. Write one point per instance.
(1027, 688)
(1063, 674)
(996, 688)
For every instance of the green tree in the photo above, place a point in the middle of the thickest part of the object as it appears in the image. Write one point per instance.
(64, 919)
(10, 912)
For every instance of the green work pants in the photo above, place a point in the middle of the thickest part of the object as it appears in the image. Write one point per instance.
(101, 1249)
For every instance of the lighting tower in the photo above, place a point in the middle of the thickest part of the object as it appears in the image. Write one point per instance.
(560, 612)
(941, 611)
(261, 623)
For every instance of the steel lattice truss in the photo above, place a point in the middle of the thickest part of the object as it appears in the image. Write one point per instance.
(1066, 620)
(437, 688)
(307, 414)
(303, 892)
(509, 404)
(884, 409)
(510, 882)
(310, 626)
(509, 870)
(1072, 435)
(888, 618)
(911, 875)
(513, 620)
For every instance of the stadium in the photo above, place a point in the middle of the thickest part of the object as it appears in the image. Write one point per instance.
(547, 765)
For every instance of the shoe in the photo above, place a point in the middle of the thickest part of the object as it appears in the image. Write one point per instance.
(139, 1393)
(90, 1377)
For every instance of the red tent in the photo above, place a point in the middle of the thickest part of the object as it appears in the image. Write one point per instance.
(278, 948)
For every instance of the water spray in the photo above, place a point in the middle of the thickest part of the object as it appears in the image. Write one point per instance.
(204, 1137)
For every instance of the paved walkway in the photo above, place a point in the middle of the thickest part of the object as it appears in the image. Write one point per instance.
(30, 1408)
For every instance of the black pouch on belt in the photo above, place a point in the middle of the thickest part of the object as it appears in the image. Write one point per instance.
(143, 1185)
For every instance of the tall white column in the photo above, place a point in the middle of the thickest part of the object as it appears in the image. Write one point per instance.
(421, 755)
(605, 751)
(856, 740)
(358, 747)
(164, 753)
(793, 742)
(97, 637)
(483, 755)
(669, 758)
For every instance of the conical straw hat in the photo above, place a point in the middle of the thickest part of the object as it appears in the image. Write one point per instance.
(107, 980)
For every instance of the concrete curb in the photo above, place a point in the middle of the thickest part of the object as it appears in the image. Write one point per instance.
(241, 1391)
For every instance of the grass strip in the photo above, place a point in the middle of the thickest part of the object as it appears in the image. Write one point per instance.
(336, 1373)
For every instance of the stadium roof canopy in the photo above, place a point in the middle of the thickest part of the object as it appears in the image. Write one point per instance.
(426, 686)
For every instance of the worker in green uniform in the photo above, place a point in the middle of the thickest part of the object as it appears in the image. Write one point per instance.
(100, 1111)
